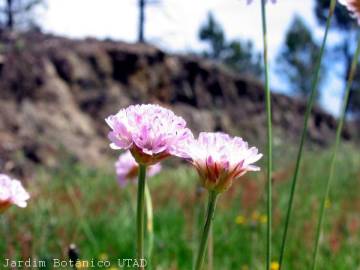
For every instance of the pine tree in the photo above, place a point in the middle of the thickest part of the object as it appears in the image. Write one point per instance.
(296, 61)
(238, 55)
(17, 13)
(347, 27)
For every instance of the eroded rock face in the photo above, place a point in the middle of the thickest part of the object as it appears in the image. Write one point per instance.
(56, 92)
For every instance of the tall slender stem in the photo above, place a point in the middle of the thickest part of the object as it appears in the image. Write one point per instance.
(309, 106)
(333, 157)
(269, 135)
(141, 213)
(149, 221)
(210, 262)
(197, 213)
(205, 234)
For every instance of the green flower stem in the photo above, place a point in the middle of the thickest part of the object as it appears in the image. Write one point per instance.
(141, 213)
(309, 106)
(333, 157)
(149, 221)
(205, 234)
(210, 250)
(269, 135)
(197, 213)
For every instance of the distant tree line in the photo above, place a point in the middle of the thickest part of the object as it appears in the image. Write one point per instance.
(237, 54)
(18, 14)
(296, 59)
(344, 49)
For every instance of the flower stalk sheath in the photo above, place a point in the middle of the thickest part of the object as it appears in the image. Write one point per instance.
(149, 221)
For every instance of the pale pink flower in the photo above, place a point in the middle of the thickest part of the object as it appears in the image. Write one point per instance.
(150, 132)
(12, 192)
(127, 169)
(221, 159)
(353, 6)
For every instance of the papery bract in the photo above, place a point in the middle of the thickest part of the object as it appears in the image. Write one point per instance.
(127, 168)
(150, 132)
(221, 159)
(12, 193)
(353, 6)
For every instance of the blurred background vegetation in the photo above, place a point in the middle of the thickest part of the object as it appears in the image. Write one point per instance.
(86, 206)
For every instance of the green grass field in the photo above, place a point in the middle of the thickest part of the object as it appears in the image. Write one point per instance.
(78, 205)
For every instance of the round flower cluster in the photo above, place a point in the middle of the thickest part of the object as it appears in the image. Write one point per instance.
(12, 193)
(221, 159)
(127, 168)
(150, 132)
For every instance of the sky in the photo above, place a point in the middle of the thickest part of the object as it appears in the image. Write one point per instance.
(173, 26)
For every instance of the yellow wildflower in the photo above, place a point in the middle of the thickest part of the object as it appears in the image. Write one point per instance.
(263, 219)
(274, 266)
(240, 220)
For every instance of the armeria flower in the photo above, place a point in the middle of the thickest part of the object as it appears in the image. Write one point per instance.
(127, 168)
(221, 159)
(353, 6)
(12, 192)
(150, 132)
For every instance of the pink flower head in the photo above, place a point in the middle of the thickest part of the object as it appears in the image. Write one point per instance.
(127, 168)
(221, 159)
(150, 132)
(353, 6)
(12, 192)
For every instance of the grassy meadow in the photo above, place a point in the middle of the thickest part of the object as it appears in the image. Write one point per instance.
(80, 205)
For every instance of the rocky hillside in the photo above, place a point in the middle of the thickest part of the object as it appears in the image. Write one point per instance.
(56, 92)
